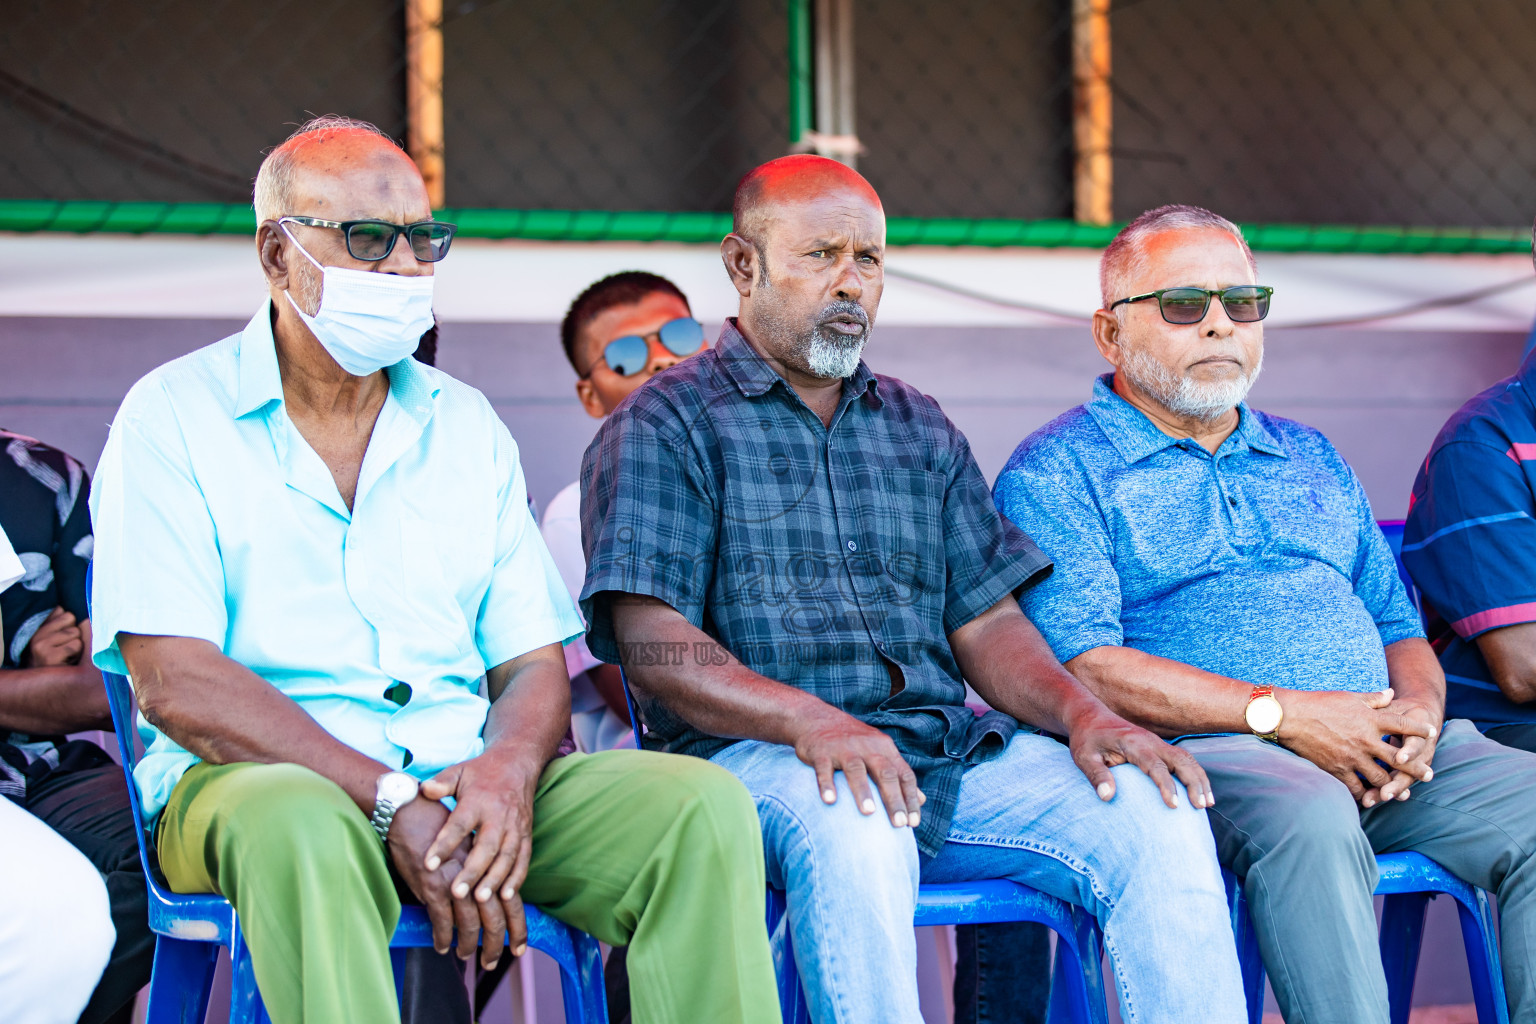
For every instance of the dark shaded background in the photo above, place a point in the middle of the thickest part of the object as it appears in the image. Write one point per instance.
(1355, 111)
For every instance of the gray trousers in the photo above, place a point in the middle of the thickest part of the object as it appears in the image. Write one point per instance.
(1521, 735)
(1305, 853)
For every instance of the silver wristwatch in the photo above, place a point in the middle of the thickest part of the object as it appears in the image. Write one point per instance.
(395, 790)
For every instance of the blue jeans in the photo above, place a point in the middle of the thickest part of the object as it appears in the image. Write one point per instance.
(1147, 873)
(1002, 973)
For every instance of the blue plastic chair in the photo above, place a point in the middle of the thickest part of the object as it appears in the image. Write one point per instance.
(1077, 980)
(1392, 529)
(1408, 881)
(191, 929)
(1077, 986)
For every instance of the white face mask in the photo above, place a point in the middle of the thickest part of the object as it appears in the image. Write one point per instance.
(367, 321)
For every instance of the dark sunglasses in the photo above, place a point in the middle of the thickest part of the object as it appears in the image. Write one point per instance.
(374, 240)
(628, 355)
(1244, 303)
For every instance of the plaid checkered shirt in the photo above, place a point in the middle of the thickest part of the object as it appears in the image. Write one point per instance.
(832, 559)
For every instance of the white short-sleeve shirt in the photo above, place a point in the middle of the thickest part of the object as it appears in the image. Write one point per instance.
(594, 726)
(10, 566)
(215, 519)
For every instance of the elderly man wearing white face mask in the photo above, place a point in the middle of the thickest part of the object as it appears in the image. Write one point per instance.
(309, 550)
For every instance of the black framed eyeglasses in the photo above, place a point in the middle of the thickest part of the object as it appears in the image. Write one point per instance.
(629, 354)
(1244, 303)
(374, 240)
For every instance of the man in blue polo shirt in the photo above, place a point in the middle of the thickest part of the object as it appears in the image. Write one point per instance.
(1470, 543)
(1220, 578)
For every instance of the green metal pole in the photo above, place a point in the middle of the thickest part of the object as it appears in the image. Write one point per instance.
(801, 94)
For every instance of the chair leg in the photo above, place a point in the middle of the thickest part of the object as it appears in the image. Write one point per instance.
(580, 959)
(1249, 961)
(581, 982)
(1483, 962)
(245, 1005)
(1402, 935)
(1077, 978)
(397, 968)
(1251, 965)
(792, 1005)
(180, 981)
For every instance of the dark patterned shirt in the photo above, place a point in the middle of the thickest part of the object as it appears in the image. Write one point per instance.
(836, 560)
(43, 512)
(1470, 540)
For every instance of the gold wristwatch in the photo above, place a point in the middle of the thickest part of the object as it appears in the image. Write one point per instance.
(1264, 714)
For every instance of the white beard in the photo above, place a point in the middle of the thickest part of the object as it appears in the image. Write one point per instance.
(1201, 400)
(833, 357)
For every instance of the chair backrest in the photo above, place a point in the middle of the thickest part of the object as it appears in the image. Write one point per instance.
(1392, 529)
(120, 700)
(634, 710)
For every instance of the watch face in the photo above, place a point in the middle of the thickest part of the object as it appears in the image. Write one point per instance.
(1263, 715)
(397, 788)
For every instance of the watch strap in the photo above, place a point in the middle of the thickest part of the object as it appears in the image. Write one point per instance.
(383, 817)
(387, 803)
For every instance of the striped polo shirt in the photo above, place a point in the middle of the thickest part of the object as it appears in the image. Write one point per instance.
(1470, 540)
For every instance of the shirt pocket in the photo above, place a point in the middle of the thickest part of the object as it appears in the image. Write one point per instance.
(905, 544)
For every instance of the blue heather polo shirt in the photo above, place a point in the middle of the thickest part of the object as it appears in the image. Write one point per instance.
(1260, 562)
(1470, 540)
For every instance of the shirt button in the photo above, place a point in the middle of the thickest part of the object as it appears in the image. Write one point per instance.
(852, 546)
(1232, 502)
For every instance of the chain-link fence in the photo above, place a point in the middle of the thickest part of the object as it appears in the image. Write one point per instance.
(1398, 112)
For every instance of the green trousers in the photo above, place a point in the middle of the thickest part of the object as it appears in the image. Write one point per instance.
(657, 852)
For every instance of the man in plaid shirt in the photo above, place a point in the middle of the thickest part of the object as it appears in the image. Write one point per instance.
(797, 561)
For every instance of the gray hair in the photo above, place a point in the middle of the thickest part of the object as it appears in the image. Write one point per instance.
(1126, 256)
(274, 181)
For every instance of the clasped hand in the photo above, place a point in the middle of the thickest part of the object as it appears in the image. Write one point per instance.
(467, 866)
(1342, 733)
(60, 640)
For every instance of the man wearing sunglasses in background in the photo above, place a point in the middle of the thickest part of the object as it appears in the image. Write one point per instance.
(1219, 576)
(311, 551)
(619, 333)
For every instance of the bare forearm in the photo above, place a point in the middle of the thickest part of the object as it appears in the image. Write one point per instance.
(224, 713)
(1415, 675)
(49, 701)
(530, 708)
(1011, 667)
(1167, 697)
(726, 699)
(1511, 656)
